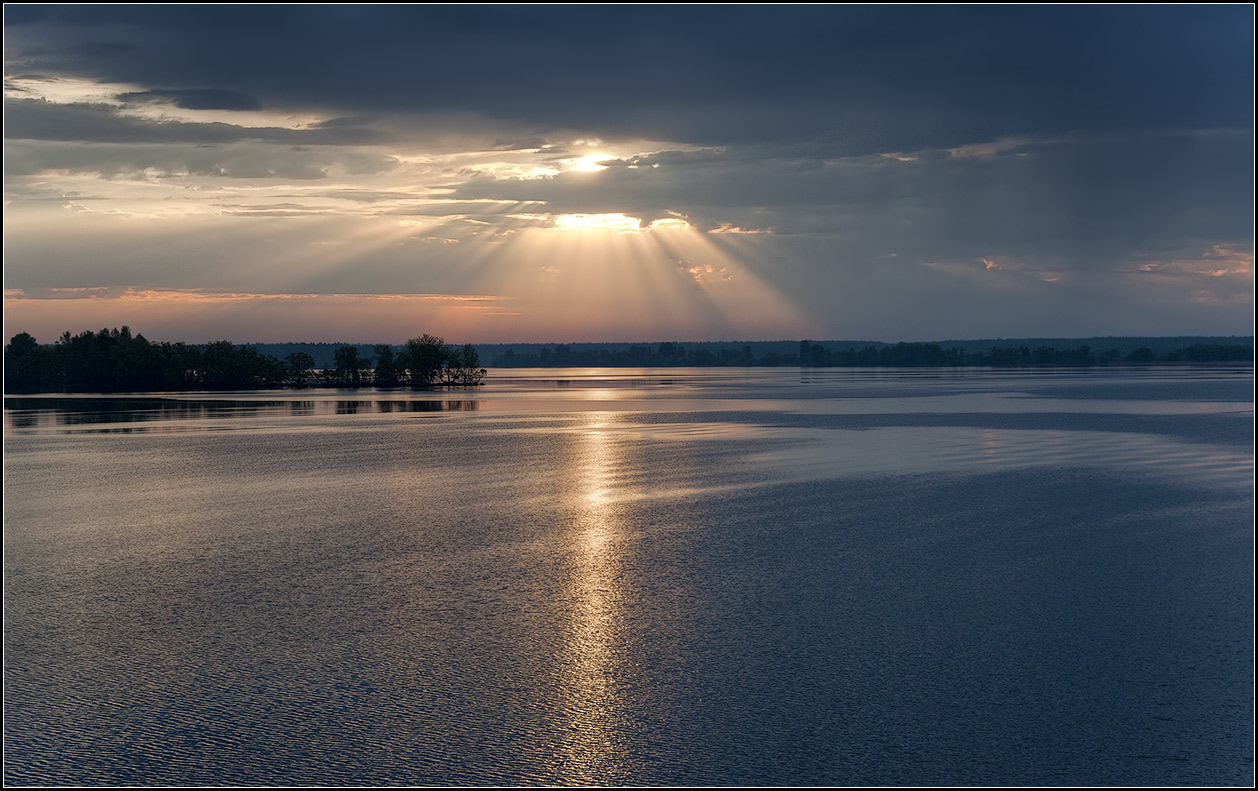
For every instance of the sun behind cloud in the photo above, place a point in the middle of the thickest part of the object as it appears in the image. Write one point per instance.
(598, 222)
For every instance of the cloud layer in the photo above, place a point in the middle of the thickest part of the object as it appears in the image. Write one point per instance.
(890, 172)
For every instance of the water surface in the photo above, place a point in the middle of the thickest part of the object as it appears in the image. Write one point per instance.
(684, 576)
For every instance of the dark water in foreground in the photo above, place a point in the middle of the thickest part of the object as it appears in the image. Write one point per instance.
(638, 577)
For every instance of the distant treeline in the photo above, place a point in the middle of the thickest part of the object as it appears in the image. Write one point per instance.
(909, 354)
(116, 361)
(639, 354)
(703, 353)
(816, 355)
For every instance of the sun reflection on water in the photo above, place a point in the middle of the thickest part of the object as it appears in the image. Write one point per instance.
(592, 745)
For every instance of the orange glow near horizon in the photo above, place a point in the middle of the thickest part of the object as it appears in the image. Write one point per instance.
(197, 317)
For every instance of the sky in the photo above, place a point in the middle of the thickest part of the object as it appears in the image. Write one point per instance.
(628, 173)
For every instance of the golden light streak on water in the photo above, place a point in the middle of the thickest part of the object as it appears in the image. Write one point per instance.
(591, 748)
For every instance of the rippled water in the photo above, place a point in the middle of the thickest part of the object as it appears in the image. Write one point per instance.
(750, 577)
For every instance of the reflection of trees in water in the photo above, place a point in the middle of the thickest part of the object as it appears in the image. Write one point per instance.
(354, 407)
(24, 419)
(28, 413)
(428, 406)
(347, 407)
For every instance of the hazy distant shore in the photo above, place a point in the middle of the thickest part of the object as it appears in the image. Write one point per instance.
(116, 361)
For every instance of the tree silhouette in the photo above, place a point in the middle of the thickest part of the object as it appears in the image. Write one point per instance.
(425, 358)
(388, 372)
(299, 368)
(349, 366)
(463, 367)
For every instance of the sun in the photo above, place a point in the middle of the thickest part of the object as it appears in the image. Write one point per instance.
(589, 163)
(618, 222)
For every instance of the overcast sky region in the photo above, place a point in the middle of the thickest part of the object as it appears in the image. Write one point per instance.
(555, 173)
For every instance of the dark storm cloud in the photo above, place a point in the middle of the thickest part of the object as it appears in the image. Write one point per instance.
(866, 79)
(1089, 201)
(1092, 175)
(893, 151)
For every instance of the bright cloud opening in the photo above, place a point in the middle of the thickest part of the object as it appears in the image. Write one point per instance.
(621, 223)
(589, 163)
(670, 224)
(618, 222)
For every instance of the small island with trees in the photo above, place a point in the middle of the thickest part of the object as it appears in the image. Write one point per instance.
(117, 361)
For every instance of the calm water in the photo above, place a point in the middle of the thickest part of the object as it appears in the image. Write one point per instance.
(638, 577)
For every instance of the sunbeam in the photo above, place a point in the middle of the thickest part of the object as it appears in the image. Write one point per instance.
(610, 276)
